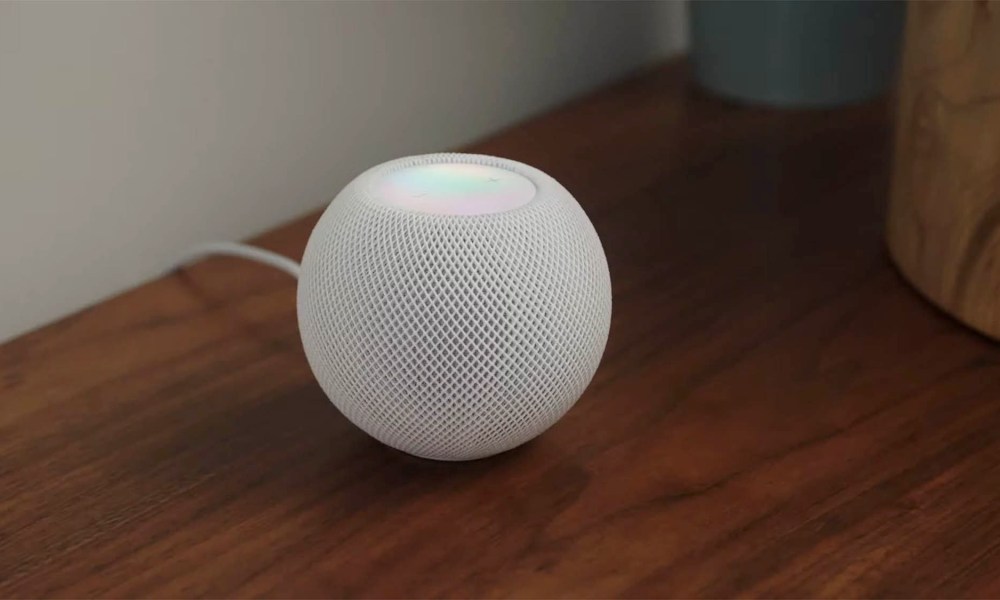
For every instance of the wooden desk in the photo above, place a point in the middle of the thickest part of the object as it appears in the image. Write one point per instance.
(777, 413)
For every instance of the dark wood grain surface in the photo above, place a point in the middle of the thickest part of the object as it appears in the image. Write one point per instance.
(777, 413)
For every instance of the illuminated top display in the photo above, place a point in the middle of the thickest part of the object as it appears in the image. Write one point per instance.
(454, 189)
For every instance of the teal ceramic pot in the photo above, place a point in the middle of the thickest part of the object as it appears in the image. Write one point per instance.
(794, 53)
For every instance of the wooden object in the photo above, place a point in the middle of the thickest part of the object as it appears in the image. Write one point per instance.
(944, 220)
(776, 414)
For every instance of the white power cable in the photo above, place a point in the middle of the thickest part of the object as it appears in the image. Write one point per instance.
(241, 251)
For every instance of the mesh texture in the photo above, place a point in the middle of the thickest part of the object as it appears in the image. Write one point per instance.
(454, 337)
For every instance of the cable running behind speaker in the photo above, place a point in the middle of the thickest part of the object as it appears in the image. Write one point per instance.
(248, 252)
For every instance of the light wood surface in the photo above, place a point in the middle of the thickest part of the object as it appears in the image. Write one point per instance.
(777, 413)
(944, 220)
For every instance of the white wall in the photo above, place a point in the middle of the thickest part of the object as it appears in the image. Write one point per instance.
(130, 130)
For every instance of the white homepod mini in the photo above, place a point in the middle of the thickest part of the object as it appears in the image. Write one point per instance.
(452, 306)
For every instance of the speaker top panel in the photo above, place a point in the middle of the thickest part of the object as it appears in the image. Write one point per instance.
(452, 188)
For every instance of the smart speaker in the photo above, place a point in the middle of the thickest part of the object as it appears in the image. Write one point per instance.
(454, 306)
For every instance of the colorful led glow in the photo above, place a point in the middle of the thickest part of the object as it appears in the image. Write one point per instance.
(454, 189)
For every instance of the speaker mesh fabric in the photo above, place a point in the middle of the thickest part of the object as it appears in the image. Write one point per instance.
(454, 337)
